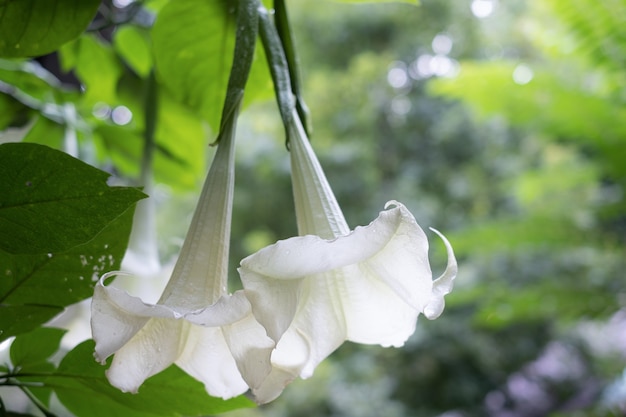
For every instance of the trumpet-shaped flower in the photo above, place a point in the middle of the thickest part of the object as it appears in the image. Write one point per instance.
(329, 285)
(195, 324)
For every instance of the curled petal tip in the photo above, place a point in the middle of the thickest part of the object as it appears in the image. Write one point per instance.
(442, 285)
(393, 203)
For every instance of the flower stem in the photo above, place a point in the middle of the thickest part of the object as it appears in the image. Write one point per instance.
(279, 69)
(285, 34)
(36, 402)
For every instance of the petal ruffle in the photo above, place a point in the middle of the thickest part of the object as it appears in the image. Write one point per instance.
(116, 317)
(390, 253)
(207, 358)
(211, 344)
(368, 287)
(155, 347)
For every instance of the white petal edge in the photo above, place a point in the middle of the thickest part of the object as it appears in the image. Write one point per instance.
(154, 348)
(272, 277)
(442, 285)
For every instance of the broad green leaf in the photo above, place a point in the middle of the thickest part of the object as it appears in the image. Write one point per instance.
(133, 45)
(35, 347)
(181, 139)
(97, 67)
(51, 201)
(30, 354)
(34, 288)
(125, 149)
(82, 387)
(21, 318)
(193, 42)
(37, 27)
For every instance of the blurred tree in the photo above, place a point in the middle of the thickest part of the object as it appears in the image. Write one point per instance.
(532, 191)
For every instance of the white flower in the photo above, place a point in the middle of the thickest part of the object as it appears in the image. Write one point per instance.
(329, 285)
(195, 324)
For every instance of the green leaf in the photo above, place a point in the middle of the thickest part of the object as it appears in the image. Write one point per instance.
(17, 319)
(30, 355)
(81, 385)
(51, 201)
(133, 45)
(181, 139)
(35, 347)
(193, 43)
(46, 132)
(34, 288)
(37, 27)
(97, 66)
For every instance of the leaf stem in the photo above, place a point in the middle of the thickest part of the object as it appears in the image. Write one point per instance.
(36, 401)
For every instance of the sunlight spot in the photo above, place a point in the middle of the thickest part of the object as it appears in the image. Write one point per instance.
(120, 4)
(420, 68)
(397, 76)
(429, 65)
(101, 111)
(442, 44)
(482, 8)
(441, 65)
(121, 115)
(522, 74)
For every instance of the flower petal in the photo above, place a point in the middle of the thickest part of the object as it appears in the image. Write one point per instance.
(300, 350)
(154, 348)
(207, 358)
(251, 349)
(317, 210)
(391, 254)
(442, 285)
(368, 287)
(374, 313)
(273, 385)
(116, 317)
(247, 340)
(210, 344)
